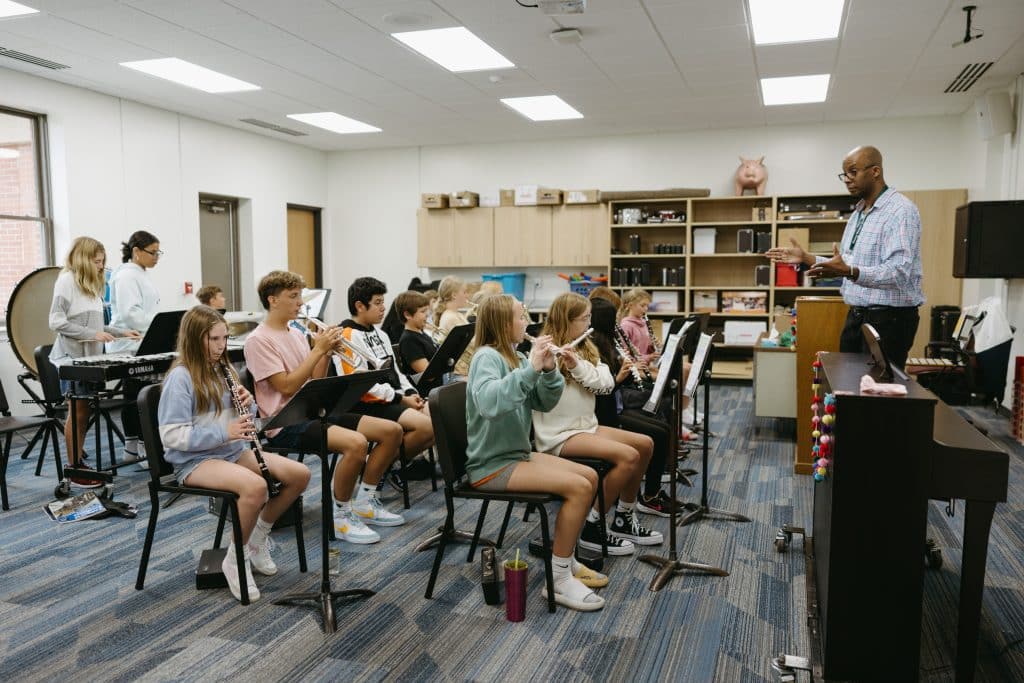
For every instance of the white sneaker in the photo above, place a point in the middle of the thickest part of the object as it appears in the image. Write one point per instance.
(260, 559)
(350, 527)
(230, 569)
(372, 511)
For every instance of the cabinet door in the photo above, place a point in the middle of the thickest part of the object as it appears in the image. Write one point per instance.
(580, 235)
(434, 237)
(522, 236)
(473, 237)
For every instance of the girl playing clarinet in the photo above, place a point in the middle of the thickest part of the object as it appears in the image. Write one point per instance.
(205, 441)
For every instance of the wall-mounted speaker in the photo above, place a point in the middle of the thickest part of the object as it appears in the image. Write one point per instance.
(994, 114)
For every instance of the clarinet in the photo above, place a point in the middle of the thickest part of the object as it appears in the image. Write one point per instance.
(638, 379)
(650, 333)
(273, 485)
(632, 351)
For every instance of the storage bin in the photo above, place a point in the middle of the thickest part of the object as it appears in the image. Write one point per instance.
(511, 283)
(786, 275)
(583, 287)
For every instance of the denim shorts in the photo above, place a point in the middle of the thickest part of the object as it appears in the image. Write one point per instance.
(80, 388)
(188, 468)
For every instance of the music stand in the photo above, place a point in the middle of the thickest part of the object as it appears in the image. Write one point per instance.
(444, 358)
(702, 369)
(315, 401)
(672, 566)
(886, 369)
(162, 334)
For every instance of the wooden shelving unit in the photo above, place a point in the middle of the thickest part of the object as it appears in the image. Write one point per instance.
(724, 270)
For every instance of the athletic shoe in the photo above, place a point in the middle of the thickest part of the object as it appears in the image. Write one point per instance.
(230, 569)
(85, 481)
(654, 505)
(260, 559)
(394, 477)
(350, 528)
(591, 540)
(372, 511)
(627, 527)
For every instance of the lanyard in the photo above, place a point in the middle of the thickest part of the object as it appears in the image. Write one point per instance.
(863, 216)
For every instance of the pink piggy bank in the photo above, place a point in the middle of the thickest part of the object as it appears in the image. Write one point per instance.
(751, 175)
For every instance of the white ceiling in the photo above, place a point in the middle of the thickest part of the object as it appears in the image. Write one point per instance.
(642, 66)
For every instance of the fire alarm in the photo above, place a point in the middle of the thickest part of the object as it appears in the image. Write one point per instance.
(188, 287)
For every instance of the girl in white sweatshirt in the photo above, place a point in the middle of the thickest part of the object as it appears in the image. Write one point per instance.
(571, 429)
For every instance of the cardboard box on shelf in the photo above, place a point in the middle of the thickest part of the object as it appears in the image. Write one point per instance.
(490, 198)
(583, 196)
(548, 196)
(508, 197)
(801, 235)
(433, 200)
(526, 195)
(744, 331)
(664, 301)
(704, 240)
(705, 301)
(464, 200)
(745, 302)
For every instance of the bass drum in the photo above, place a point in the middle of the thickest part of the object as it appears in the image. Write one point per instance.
(28, 315)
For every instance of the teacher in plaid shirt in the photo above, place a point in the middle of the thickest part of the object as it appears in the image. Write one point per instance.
(880, 257)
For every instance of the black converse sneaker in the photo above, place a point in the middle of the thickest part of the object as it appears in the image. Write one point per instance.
(591, 540)
(628, 528)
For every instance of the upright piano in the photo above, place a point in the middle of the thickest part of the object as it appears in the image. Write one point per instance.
(891, 455)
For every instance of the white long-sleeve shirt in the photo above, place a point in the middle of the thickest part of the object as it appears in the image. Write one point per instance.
(76, 317)
(574, 413)
(134, 302)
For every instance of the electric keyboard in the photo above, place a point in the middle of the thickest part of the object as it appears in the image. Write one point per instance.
(932, 362)
(107, 367)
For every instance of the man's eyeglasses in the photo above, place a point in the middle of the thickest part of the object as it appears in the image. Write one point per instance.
(154, 254)
(852, 173)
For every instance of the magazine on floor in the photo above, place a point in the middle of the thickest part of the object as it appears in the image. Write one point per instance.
(82, 506)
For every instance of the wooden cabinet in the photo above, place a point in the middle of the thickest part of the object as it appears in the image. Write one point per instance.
(579, 235)
(473, 237)
(819, 320)
(435, 232)
(522, 236)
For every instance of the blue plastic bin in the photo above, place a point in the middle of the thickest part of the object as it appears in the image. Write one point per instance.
(511, 283)
(583, 287)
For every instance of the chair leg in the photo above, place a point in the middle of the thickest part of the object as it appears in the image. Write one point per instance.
(221, 518)
(45, 432)
(432, 459)
(549, 577)
(236, 530)
(446, 531)
(147, 545)
(5, 453)
(601, 506)
(300, 543)
(54, 435)
(504, 524)
(526, 513)
(110, 440)
(405, 476)
(476, 532)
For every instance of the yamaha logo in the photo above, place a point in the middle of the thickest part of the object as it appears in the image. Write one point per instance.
(141, 369)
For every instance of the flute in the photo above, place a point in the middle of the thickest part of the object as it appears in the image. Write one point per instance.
(557, 350)
(273, 485)
(359, 356)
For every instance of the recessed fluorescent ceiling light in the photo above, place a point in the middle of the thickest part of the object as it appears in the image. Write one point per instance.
(544, 108)
(794, 89)
(456, 49)
(336, 123)
(191, 75)
(14, 9)
(795, 21)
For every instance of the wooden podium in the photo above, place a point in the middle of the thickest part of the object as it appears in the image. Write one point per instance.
(819, 321)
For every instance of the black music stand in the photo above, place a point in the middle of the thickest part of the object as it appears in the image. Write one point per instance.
(696, 512)
(444, 358)
(672, 566)
(316, 400)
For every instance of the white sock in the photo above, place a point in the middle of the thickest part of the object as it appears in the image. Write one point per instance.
(343, 505)
(365, 491)
(260, 532)
(625, 507)
(131, 444)
(561, 568)
(593, 516)
(575, 566)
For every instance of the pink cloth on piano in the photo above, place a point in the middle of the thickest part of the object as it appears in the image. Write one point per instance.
(869, 386)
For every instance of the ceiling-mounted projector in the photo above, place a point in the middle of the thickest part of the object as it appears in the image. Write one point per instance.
(562, 6)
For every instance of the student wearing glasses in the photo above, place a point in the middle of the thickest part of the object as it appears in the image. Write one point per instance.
(879, 257)
(134, 301)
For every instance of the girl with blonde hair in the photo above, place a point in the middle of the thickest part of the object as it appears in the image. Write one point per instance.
(504, 387)
(452, 296)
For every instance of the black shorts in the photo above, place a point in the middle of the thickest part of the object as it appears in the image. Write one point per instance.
(385, 411)
(305, 436)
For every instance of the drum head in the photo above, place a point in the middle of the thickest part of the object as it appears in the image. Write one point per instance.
(28, 315)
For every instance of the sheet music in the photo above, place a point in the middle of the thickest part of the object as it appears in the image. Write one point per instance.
(678, 333)
(700, 358)
(670, 350)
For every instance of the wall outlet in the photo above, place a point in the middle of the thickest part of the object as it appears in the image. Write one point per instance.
(536, 283)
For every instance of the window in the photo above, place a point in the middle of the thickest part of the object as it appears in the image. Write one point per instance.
(25, 230)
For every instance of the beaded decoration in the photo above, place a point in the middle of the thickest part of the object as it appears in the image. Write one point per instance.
(823, 420)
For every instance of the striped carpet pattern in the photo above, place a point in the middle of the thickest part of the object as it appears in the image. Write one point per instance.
(69, 609)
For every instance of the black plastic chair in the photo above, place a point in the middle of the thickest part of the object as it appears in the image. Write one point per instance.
(161, 480)
(45, 426)
(448, 414)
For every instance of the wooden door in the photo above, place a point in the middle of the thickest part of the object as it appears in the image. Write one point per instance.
(522, 236)
(304, 245)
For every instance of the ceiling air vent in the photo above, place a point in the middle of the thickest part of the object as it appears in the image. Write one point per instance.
(273, 126)
(32, 59)
(968, 77)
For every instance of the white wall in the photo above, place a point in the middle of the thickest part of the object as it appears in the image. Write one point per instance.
(376, 193)
(117, 166)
